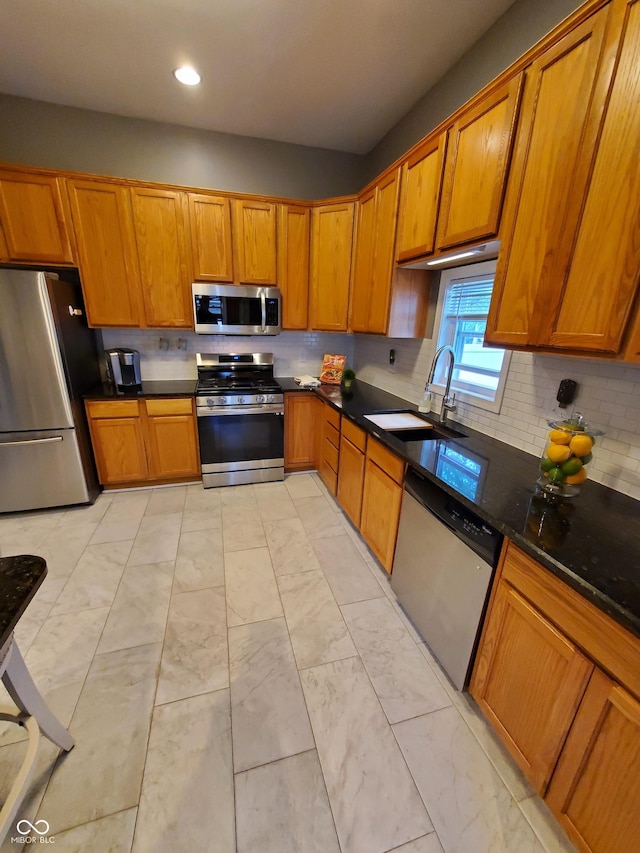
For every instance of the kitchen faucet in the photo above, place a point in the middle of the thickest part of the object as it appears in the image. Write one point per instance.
(448, 401)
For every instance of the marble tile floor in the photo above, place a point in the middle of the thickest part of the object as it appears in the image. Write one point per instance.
(238, 676)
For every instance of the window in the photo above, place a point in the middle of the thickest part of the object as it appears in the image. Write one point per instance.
(480, 372)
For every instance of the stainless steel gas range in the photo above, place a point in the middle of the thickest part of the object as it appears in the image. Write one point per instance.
(240, 410)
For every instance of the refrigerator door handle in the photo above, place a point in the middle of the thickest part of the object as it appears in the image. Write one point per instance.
(30, 441)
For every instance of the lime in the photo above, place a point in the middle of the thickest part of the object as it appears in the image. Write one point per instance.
(586, 459)
(556, 476)
(547, 464)
(571, 466)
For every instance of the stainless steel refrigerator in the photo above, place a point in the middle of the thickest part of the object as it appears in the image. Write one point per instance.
(48, 359)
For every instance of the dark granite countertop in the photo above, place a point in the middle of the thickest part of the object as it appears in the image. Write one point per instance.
(20, 577)
(152, 388)
(592, 542)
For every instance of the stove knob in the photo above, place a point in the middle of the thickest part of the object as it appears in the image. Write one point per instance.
(210, 401)
(223, 401)
(259, 399)
(270, 398)
(241, 399)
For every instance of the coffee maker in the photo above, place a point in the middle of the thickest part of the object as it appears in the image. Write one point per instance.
(123, 367)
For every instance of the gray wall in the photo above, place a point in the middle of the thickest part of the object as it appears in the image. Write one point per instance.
(35, 133)
(522, 25)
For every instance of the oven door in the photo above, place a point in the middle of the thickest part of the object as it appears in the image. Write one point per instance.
(241, 445)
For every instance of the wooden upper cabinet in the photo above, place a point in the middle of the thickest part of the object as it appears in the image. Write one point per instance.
(592, 309)
(476, 166)
(564, 96)
(421, 185)
(107, 254)
(33, 218)
(160, 222)
(210, 225)
(254, 242)
(363, 261)
(331, 249)
(294, 238)
(595, 789)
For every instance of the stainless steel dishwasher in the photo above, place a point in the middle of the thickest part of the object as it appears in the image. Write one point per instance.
(445, 560)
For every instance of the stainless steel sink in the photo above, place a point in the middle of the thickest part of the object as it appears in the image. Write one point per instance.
(425, 434)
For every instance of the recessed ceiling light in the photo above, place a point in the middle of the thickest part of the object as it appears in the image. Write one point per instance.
(187, 75)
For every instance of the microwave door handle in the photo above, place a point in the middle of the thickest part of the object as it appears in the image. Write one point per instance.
(263, 302)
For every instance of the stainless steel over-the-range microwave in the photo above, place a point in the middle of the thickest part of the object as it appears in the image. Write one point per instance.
(230, 309)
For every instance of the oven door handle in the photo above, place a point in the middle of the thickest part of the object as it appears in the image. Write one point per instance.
(240, 410)
(263, 303)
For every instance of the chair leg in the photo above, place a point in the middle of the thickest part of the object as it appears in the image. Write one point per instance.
(26, 696)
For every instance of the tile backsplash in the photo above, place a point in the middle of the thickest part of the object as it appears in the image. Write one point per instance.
(170, 354)
(608, 396)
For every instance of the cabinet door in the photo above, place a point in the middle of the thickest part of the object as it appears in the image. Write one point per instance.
(210, 225)
(300, 426)
(32, 216)
(363, 262)
(108, 261)
(562, 104)
(331, 248)
(592, 309)
(160, 218)
(351, 479)
(528, 680)
(171, 439)
(381, 500)
(477, 162)
(294, 227)
(118, 446)
(595, 790)
(254, 241)
(421, 184)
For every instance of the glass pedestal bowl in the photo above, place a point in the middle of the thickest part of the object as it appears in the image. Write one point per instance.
(566, 456)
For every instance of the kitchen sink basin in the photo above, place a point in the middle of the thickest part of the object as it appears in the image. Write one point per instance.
(424, 433)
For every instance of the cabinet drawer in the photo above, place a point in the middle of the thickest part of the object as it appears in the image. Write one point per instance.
(179, 406)
(389, 462)
(112, 409)
(356, 436)
(332, 416)
(332, 435)
(330, 455)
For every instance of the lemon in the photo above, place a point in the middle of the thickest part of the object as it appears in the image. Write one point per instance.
(559, 452)
(580, 477)
(560, 436)
(580, 445)
(571, 466)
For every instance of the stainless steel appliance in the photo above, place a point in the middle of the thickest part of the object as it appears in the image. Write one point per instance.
(230, 309)
(48, 359)
(240, 412)
(444, 562)
(123, 367)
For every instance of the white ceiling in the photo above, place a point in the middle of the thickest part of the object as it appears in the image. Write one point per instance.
(330, 73)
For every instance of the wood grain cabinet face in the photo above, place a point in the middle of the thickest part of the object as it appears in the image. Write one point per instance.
(107, 254)
(478, 155)
(528, 680)
(118, 441)
(421, 186)
(381, 502)
(351, 478)
(160, 218)
(294, 239)
(33, 218)
(595, 790)
(331, 249)
(171, 438)
(300, 426)
(329, 447)
(254, 241)
(565, 93)
(210, 226)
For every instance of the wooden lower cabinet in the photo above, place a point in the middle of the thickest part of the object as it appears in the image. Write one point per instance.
(351, 473)
(381, 501)
(300, 419)
(329, 447)
(138, 441)
(540, 679)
